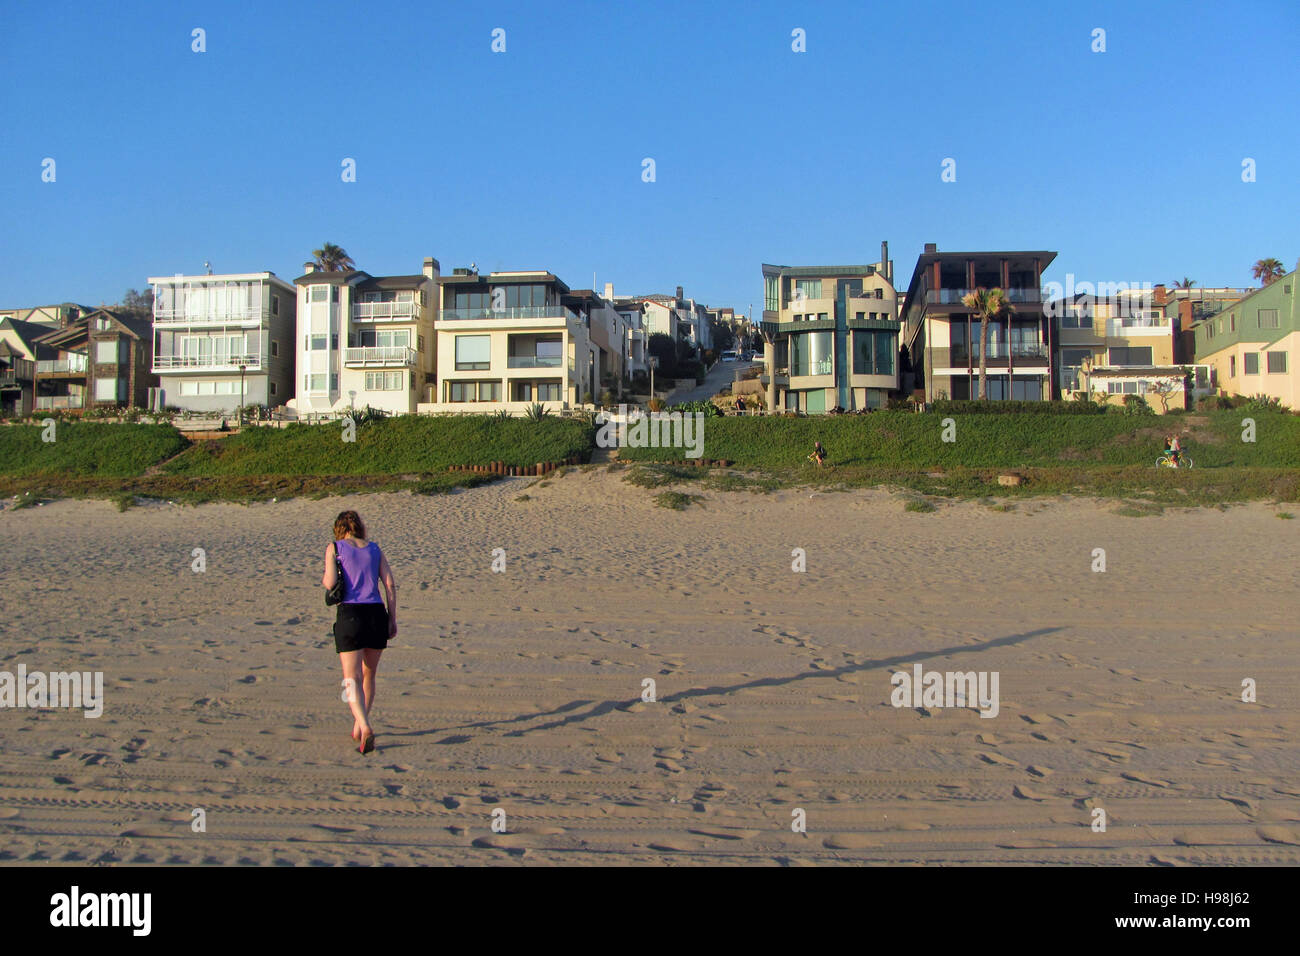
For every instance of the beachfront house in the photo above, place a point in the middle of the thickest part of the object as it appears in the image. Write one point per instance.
(507, 340)
(221, 342)
(943, 335)
(830, 336)
(1251, 344)
(100, 358)
(364, 341)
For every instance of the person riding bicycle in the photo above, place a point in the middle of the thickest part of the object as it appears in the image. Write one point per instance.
(1175, 449)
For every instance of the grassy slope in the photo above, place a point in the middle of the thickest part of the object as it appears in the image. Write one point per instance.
(86, 449)
(908, 440)
(403, 445)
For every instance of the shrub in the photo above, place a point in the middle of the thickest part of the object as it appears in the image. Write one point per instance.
(1265, 403)
(536, 412)
(1137, 405)
(700, 405)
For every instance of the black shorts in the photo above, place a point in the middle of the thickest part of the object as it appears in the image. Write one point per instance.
(360, 626)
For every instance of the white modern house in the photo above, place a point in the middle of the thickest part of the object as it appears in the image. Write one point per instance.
(507, 340)
(219, 340)
(364, 341)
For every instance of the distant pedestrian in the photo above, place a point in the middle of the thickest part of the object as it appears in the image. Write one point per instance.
(363, 627)
(818, 454)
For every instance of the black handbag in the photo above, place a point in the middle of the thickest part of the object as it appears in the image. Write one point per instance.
(335, 594)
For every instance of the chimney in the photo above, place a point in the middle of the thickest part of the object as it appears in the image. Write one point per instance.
(679, 292)
(931, 247)
(609, 292)
(432, 269)
(308, 267)
(884, 261)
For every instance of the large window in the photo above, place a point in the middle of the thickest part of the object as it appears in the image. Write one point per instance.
(473, 352)
(473, 391)
(106, 351)
(1130, 356)
(807, 289)
(319, 293)
(385, 381)
(1277, 363)
(873, 353)
(1268, 319)
(810, 353)
(469, 301)
(106, 389)
(381, 338)
(525, 296)
(1251, 363)
(771, 294)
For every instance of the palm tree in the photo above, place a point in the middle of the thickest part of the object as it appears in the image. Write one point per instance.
(988, 304)
(1267, 270)
(332, 258)
(1185, 284)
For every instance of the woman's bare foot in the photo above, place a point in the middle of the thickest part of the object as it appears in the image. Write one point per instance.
(367, 742)
(356, 730)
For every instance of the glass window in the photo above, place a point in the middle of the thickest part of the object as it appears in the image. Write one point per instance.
(1268, 319)
(1277, 363)
(106, 389)
(807, 289)
(1232, 365)
(884, 353)
(319, 293)
(473, 352)
(771, 294)
(548, 391)
(106, 351)
(275, 305)
(1251, 363)
(1130, 356)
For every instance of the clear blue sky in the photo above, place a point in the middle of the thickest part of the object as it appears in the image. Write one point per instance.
(1128, 162)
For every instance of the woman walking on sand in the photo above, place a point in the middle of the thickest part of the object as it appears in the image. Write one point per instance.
(363, 627)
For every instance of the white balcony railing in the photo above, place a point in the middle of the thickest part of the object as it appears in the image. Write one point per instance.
(206, 363)
(370, 311)
(221, 317)
(56, 366)
(390, 355)
(1118, 328)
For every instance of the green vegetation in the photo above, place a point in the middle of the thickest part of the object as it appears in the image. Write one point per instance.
(391, 446)
(903, 440)
(920, 505)
(390, 454)
(86, 448)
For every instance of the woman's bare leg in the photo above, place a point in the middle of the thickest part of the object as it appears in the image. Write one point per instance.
(369, 667)
(356, 695)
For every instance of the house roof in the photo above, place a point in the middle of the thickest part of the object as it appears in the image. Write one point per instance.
(1233, 304)
(137, 328)
(376, 283)
(338, 277)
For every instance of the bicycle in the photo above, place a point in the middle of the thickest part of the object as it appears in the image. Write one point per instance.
(1167, 461)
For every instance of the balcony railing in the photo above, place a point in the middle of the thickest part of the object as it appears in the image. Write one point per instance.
(62, 366)
(222, 317)
(21, 371)
(529, 312)
(954, 296)
(1118, 328)
(388, 355)
(207, 363)
(996, 351)
(535, 361)
(371, 311)
(50, 402)
(823, 367)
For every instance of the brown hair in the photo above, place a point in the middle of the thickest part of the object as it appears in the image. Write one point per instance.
(349, 521)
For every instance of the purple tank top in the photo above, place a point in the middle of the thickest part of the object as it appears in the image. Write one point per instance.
(360, 572)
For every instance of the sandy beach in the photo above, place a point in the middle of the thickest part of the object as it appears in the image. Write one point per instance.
(521, 691)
